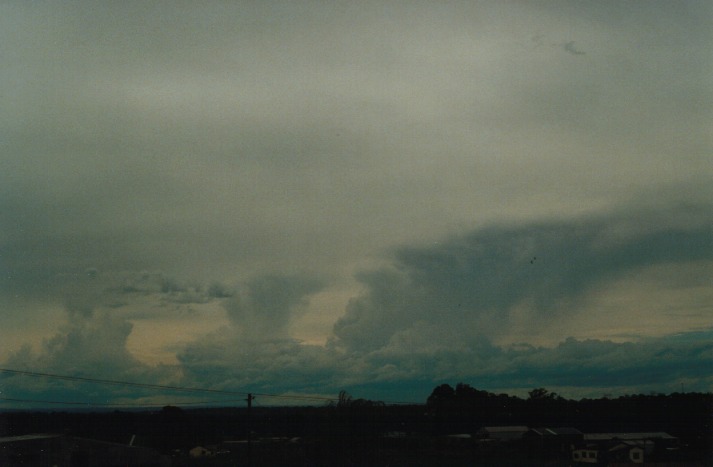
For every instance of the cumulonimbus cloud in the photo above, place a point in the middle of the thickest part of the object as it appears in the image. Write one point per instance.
(472, 284)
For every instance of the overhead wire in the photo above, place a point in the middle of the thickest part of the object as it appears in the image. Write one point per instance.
(161, 387)
(116, 404)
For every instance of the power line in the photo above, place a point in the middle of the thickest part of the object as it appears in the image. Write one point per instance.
(157, 386)
(38, 401)
(115, 404)
(83, 379)
(118, 383)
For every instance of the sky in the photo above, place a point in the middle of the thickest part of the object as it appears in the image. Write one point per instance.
(303, 197)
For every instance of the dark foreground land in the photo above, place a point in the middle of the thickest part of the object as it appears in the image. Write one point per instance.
(461, 426)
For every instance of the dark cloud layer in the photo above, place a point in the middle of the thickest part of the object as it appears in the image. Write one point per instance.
(209, 189)
(434, 314)
(470, 284)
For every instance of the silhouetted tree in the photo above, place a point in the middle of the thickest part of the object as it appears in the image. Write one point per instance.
(172, 428)
(344, 400)
(441, 394)
(541, 394)
(469, 395)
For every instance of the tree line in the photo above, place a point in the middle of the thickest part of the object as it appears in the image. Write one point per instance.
(447, 410)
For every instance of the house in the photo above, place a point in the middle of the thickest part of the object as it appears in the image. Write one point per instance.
(626, 452)
(586, 455)
(634, 452)
(623, 448)
(200, 451)
(502, 433)
(661, 439)
(552, 442)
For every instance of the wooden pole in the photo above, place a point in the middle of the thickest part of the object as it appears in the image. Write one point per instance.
(250, 429)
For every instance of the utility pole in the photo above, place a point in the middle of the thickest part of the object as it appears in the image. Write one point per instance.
(250, 429)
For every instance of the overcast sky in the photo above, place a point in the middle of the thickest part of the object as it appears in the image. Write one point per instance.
(303, 197)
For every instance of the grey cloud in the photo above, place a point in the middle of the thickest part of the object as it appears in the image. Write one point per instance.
(266, 306)
(226, 359)
(660, 361)
(82, 295)
(570, 47)
(92, 347)
(472, 284)
(412, 364)
(198, 138)
(129, 294)
(215, 142)
(217, 290)
(111, 289)
(580, 367)
(371, 319)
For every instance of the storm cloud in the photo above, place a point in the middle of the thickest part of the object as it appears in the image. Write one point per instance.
(304, 196)
(266, 307)
(484, 283)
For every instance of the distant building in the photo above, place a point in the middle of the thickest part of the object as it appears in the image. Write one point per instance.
(586, 455)
(502, 433)
(200, 451)
(624, 448)
(626, 452)
(553, 442)
(660, 438)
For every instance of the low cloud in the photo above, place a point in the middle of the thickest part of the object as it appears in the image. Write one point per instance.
(437, 312)
(440, 312)
(483, 284)
(225, 359)
(256, 350)
(93, 348)
(574, 367)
